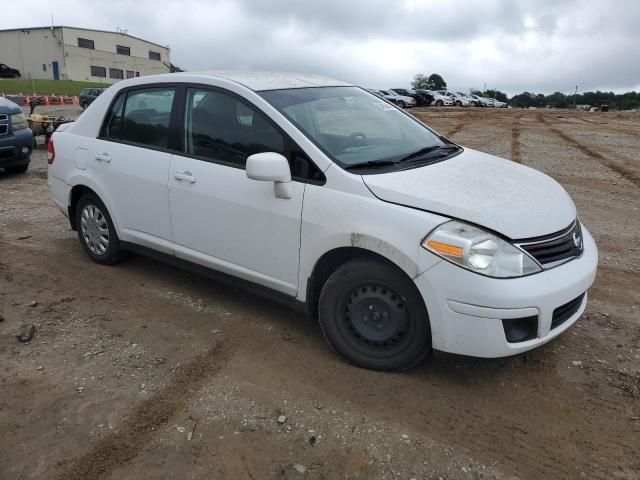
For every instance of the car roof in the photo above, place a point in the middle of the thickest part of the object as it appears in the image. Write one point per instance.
(256, 80)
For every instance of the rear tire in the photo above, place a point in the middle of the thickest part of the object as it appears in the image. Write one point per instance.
(439, 103)
(96, 232)
(458, 103)
(401, 104)
(374, 317)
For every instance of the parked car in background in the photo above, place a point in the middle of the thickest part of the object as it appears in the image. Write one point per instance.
(7, 72)
(497, 103)
(16, 138)
(482, 101)
(458, 100)
(472, 101)
(439, 100)
(422, 99)
(465, 253)
(400, 100)
(88, 95)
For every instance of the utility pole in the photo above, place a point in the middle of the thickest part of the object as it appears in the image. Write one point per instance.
(485, 87)
(574, 97)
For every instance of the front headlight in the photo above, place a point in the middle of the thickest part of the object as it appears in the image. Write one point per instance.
(19, 121)
(479, 251)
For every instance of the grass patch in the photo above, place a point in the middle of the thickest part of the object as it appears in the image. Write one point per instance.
(45, 87)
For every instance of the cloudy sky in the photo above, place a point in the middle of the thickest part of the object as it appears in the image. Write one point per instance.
(511, 45)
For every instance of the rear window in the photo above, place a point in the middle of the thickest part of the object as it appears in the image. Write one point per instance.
(141, 117)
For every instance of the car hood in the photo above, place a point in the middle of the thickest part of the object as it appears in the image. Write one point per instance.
(514, 200)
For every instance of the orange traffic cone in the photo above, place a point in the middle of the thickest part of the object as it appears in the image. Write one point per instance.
(61, 101)
(46, 101)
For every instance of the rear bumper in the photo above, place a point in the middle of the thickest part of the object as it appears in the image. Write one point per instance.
(467, 310)
(60, 192)
(11, 148)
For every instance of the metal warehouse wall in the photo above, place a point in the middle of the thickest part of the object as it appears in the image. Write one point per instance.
(32, 51)
(79, 60)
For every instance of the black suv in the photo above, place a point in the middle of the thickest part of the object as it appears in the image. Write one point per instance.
(422, 99)
(16, 138)
(7, 72)
(88, 95)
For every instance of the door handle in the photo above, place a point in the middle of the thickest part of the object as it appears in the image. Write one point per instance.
(186, 176)
(103, 157)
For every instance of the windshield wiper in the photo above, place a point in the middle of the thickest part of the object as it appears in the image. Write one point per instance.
(427, 150)
(369, 164)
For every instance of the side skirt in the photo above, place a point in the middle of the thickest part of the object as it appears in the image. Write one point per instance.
(259, 290)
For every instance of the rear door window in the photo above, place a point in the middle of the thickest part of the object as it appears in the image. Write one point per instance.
(112, 128)
(147, 114)
(141, 117)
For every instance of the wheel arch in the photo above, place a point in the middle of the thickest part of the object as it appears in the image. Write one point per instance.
(330, 261)
(77, 191)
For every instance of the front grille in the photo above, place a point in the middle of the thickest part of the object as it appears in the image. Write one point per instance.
(566, 311)
(560, 247)
(6, 154)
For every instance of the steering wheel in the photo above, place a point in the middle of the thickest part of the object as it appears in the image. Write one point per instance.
(350, 140)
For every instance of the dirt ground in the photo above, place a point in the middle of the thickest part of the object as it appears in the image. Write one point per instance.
(144, 371)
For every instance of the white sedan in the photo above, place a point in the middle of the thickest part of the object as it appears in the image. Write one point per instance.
(317, 193)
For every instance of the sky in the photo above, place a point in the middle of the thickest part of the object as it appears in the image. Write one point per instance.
(509, 45)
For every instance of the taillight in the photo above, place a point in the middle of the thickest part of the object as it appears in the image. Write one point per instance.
(51, 152)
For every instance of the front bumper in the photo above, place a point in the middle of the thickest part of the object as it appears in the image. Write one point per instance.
(466, 310)
(11, 146)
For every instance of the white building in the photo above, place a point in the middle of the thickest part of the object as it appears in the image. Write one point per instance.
(69, 53)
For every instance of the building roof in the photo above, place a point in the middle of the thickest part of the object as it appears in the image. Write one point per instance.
(86, 29)
(258, 80)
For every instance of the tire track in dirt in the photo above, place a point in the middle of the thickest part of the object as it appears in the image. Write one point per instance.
(624, 171)
(630, 130)
(515, 140)
(455, 129)
(122, 446)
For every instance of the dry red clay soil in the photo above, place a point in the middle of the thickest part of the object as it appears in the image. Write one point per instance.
(143, 371)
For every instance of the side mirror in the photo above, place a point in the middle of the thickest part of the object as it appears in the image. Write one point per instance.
(271, 167)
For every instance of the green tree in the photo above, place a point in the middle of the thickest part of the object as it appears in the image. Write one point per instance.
(432, 82)
(436, 82)
(497, 94)
(420, 81)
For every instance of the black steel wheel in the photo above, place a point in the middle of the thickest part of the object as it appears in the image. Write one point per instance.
(373, 316)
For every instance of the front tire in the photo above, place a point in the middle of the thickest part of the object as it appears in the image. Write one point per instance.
(374, 317)
(458, 103)
(439, 103)
(96, 232)
(401, 104)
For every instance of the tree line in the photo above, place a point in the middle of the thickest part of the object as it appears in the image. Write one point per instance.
(619, 101)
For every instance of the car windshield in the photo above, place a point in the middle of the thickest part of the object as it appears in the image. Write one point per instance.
(353, 126)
